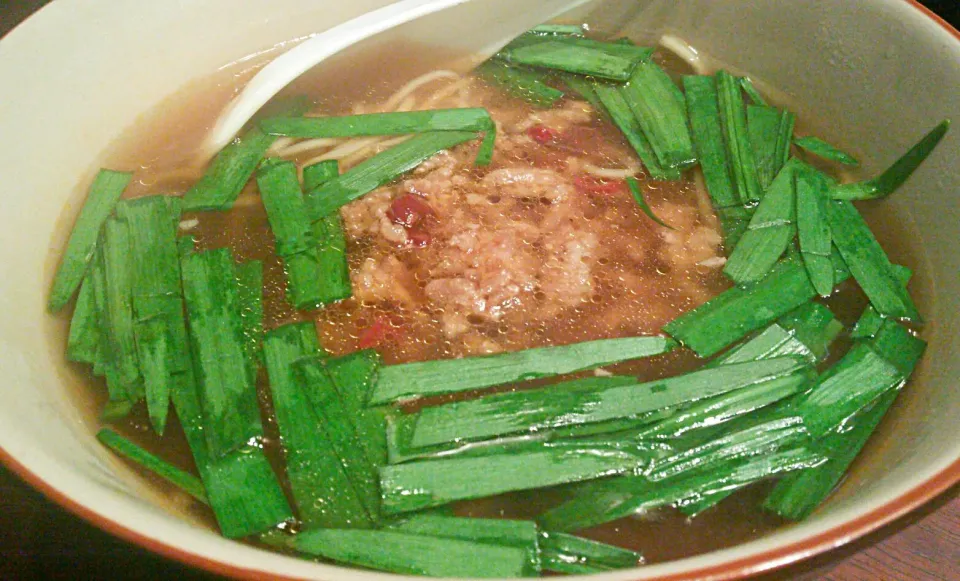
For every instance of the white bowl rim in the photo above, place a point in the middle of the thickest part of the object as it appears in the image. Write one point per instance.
(738, 568)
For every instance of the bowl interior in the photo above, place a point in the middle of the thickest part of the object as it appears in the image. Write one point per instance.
(874, 75)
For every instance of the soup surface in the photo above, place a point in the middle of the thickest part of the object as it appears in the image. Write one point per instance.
(545, 246)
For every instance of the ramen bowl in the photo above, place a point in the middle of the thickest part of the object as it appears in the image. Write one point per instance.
(871, 75)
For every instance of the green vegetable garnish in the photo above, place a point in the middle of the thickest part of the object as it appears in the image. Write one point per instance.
(409, 380)
(380, 169)
(822, 149)
(868, 262)
(521, 534)
(751, 91)
(813, 230)
(121, 360)
(423, 484)
(736, 312)
(413, 554)
(896, 174)
(340, 426)
(733, 121)
(870, 321)
(634, 187)
(547, 408)
(334, 272)
(83, 342)
(605, 60)
(660, 109)
(395, 123)
(704, 112)
(770, 131)
(563, 553)
(104, 193)
(243, 490)
(523, 83)
(771, 229)
(227, 390)
(157, 294)
(250, 295)
(183, 480)
(616, 106)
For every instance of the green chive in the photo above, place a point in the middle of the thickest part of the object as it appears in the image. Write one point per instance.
(736, 312)
(603, 501)
(856, 380)
(157, 298)
(423, 484)
(334, 272)
(870, 321)
(353, 376)
(83, 341)
(899, 346)
(340, 427)
(868, 262)
(769, 232)
(413, 554)
(227, 390)
(317, 174)
(660, 109)
(121, 361)
(751, 91)
(395, 123)
(523, 83)
(812, 228)
(704, 112)
(521, 534)
(548, 408)
(583, 87)
(619, 111)
(104, 193)
(824, 150)
(797, 495)
(410, 380)
(243, 490)
(733, 221)
(283, 201)
(733, 121)
(894, 177)
(770, 131)
(606, 60)
(322, 489)
(292, 229)
(183, 480)
(380, 169)
(228, 173)
(634, 187)
(563, 553)
(250, 295)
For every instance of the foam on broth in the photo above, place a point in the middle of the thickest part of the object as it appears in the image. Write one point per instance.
(161, 142)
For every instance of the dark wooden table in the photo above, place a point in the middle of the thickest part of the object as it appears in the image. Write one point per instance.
(39, 540)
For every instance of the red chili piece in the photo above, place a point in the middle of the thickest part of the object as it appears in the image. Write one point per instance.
(374, 334)
(542, 134)
(589, 184)
(418, 237)
(408, 210)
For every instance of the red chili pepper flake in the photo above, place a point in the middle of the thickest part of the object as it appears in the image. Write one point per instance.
(589, 184)
(408, 210)
(418, 237)
(375, 334)
(542, 134)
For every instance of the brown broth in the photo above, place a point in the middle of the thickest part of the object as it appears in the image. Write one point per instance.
(158, 149)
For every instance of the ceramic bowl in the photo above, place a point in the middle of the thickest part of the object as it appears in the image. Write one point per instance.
(874, 73)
